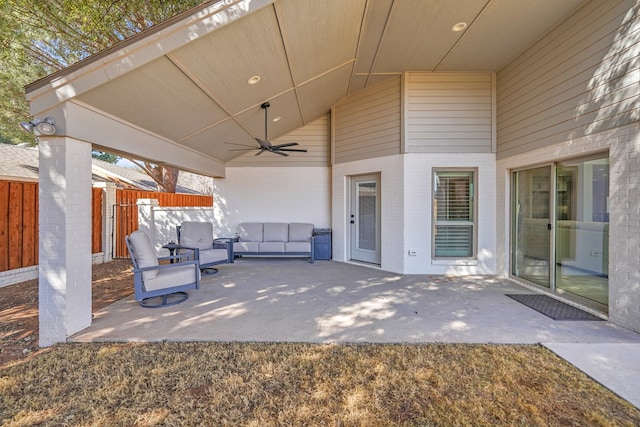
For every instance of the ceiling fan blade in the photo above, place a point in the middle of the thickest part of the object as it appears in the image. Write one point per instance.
(288, 144)
(279, 152)
(240, 145)
(262, 150)
(299, 150)
(263, 143)
(244, 149)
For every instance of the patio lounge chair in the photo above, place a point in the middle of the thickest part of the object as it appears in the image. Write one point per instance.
(153, 280)
(197, 237)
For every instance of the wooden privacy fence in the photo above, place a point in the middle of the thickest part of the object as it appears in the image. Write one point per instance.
(19, 219)
(19, 224)
(125, 212)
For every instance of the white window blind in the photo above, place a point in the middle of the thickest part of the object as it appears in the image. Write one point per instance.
(454, 216)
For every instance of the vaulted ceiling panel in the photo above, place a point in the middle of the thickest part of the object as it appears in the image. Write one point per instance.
(159, 97)
(505, 26)
(212, 140)
(418, 34)
(284, 107)
(223, 61)
(373, 29)
(319, 95)
(317, 41)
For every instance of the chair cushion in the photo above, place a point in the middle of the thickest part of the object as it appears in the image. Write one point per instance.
(196, 235)
(172, 277)
(300, 232)
(144, 253)
(275, 232)
(213, 255)
(250, 231)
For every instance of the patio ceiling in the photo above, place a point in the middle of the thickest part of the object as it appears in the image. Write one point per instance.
(309, 54)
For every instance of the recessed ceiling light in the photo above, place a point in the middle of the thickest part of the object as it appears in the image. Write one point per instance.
(460, 26)
(253, 80)
(277, 119)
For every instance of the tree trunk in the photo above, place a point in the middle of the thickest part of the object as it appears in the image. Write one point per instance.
(166, 178)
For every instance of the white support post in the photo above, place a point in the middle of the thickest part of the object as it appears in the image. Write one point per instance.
(65, 238)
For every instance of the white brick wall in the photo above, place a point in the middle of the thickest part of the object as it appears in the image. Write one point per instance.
(65, 238)
(18, 275)
(391, 193)
(418, 215)
(160, 221)
(276, 194)
(406, 211)
(624, 201)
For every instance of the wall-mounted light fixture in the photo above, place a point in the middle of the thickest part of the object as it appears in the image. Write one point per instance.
(40, 127)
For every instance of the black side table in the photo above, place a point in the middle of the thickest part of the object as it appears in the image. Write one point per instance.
(171, 247)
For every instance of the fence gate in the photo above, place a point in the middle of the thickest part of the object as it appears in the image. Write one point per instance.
(124, 221)
(125, 212)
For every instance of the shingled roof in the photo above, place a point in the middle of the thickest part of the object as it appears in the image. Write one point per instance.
(19, 162)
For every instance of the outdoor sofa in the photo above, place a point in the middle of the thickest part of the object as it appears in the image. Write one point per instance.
(271, 239)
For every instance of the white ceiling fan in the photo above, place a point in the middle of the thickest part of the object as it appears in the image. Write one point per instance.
(265, 144)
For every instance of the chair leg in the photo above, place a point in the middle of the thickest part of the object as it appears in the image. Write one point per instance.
(177, 298)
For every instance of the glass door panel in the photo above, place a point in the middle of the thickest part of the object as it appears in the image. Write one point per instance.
(531, 249)
(582, 229)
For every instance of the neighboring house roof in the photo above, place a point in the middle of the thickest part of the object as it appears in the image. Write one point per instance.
(21, 162)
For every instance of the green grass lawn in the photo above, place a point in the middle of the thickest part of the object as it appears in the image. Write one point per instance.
(263, 384)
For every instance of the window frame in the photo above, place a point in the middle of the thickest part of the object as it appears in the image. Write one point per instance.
(474, 209)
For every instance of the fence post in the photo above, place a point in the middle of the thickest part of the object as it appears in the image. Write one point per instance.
(146, 220)
(108, 200)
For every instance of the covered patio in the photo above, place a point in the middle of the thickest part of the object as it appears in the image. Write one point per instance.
(284, 300)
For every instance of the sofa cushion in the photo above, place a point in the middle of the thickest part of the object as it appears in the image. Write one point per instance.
(196, 235)
(240, 247)
(144, 253)
(250, 231)
(276, 232)
(300, 232)
(271, 247)
(297, 247)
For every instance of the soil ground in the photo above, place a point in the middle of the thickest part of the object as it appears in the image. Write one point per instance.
(19, 307)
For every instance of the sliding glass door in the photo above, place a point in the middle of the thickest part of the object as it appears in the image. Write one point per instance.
(531, 248)
(560, 228)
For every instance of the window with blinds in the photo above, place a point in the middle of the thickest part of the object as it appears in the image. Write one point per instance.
(454, 214)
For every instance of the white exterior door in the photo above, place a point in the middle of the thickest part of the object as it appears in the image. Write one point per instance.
(364, 218)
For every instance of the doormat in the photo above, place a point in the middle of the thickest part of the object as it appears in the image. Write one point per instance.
(551, 307)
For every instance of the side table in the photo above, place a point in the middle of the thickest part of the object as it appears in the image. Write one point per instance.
(171, 247)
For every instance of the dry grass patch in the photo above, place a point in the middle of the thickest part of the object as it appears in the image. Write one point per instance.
(262, 384)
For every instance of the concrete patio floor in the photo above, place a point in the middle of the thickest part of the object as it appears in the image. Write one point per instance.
(329, 302)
